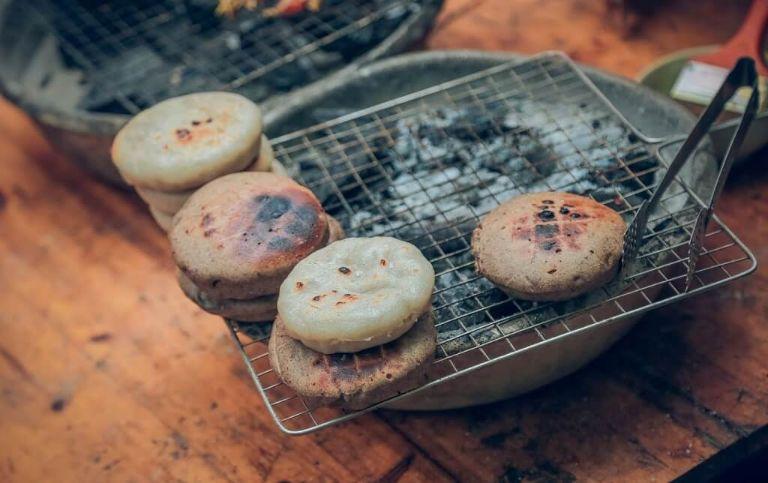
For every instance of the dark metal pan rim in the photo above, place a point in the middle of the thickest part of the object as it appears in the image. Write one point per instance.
(314, 95)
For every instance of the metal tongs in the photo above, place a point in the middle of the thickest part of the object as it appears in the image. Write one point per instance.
(743, 74)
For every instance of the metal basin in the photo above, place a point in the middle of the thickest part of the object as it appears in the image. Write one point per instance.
(525, 372)
(651, 113)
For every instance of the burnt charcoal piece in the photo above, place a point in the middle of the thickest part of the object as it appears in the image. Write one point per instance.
(642, 164)
(477, 126)
(538, 155)
(503, 309)
(546, 215)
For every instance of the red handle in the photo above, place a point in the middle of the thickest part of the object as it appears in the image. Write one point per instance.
(747, 41)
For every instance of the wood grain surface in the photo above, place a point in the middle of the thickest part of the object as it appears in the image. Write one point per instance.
(107, 373)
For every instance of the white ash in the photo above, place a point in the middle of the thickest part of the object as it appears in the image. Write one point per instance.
(450, 166)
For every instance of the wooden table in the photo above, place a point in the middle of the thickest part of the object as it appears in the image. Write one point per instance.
(108, 373)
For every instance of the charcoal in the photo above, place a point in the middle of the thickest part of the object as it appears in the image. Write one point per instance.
(444, 167)
(641, 163)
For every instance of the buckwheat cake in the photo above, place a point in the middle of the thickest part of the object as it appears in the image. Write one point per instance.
(170, 202)
(189, 140)
(549, 246)
(355, 294)
(335, 231)
(358, 380)
(266, 156)
(257, 309)
(240, 235)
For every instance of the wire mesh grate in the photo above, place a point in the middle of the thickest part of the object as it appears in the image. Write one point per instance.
(426, 167)
(135, 54)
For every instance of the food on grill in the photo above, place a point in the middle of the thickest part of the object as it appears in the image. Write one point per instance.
(356, 294)
(549, 246)
(355, 323)
(357, 380)
(283, 8)
(239, 236)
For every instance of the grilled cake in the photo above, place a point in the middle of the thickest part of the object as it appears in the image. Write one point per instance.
(184, 142)
(169, 202)
(549, 246)
(257, 309)
(239, 236)
(355, 294)
(354, 381)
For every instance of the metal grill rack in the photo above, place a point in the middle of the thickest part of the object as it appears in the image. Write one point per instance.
(427, 166)
(134, 54)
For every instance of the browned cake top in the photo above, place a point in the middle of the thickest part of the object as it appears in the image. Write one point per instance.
(548, 245)
(272, 225)
(247, 225)
(554, 224)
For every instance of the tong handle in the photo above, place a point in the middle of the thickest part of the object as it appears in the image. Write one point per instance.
(746, 76)
(743, 74)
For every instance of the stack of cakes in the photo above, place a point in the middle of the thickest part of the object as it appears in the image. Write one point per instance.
(169, 150)
(355, 323)
(238, 237)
